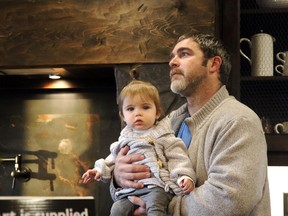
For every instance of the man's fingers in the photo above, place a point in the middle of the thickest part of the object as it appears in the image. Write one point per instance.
(123, 151)
(137, 201)
(129, 158)
(127, 170)
(127, 179)
(132, 184)
(141, 210)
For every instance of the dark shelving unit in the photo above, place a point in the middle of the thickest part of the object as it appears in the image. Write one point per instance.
(267, 96)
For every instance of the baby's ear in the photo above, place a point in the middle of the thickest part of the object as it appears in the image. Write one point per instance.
(122, 117)
(158, 115)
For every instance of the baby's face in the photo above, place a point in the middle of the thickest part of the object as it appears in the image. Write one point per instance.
(139, 113)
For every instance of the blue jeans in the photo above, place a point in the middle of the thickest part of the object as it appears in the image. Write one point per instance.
(156, 199)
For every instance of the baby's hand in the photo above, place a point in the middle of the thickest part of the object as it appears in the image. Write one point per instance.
(187, 185)
(89, 175)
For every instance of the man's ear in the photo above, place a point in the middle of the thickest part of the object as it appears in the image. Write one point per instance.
(215, 63)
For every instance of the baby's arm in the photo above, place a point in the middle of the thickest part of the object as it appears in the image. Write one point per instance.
(89, 175)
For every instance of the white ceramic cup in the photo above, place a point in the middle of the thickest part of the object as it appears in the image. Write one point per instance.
(282, 69)
(282, 57)
(261, 50)
(281, 128)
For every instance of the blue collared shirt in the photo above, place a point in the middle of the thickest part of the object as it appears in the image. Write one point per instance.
(185, 133)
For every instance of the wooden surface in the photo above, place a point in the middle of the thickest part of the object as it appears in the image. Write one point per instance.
(40, 33)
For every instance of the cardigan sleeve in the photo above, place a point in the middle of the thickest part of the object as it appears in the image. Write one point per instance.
(179, 164)
(105, 166)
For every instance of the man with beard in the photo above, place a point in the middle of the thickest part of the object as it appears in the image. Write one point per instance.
(225, 139)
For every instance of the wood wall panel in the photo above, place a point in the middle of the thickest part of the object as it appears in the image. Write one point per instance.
(51, 32)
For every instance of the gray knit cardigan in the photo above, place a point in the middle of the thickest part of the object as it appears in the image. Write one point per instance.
(229, 155)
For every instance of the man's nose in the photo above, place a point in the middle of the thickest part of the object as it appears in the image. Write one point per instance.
(174, 62)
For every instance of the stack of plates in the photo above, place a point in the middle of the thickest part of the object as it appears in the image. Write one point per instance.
(273, 3)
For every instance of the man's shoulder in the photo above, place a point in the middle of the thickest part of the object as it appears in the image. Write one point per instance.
(233, 106)
(235, 112)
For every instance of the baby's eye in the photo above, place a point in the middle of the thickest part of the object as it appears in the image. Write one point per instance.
(130, 109)
(146, 107)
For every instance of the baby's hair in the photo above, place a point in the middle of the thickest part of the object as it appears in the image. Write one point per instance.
(143, 89)
(135, 72)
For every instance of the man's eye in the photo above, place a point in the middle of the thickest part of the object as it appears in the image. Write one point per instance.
(183, 54)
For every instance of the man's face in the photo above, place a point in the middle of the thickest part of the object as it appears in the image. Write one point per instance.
(187, 71)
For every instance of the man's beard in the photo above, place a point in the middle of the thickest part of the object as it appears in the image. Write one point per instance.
(186, 86)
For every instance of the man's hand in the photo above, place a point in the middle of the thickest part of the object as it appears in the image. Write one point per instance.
(125, 172)
(141, 210)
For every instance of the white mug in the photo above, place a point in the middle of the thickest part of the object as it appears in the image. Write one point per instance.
(282, 57)
(261, 48)
(282, 69)
(281, 128)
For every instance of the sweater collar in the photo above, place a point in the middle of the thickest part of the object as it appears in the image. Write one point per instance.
(197, 118)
